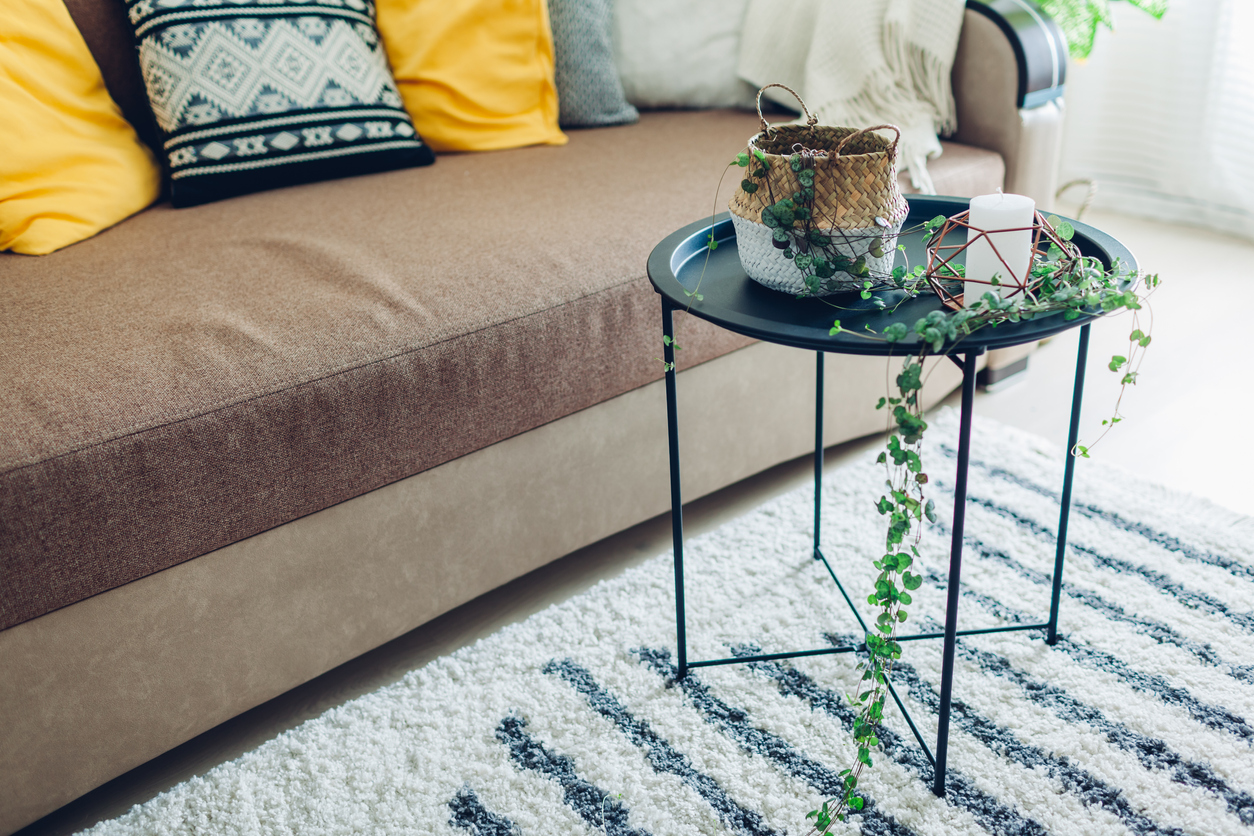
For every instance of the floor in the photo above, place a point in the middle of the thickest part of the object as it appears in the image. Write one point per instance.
(1167, 436)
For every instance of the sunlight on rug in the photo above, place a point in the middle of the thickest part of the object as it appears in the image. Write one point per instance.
(1140, 720)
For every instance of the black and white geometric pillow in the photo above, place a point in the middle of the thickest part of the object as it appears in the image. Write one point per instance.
(256, 94)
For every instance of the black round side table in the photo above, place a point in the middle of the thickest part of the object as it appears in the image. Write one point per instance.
(718, 290)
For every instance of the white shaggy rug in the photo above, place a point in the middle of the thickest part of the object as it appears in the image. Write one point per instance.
(1141, 720)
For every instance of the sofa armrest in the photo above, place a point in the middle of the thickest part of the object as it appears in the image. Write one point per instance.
(1008, 78)
(1039, 47)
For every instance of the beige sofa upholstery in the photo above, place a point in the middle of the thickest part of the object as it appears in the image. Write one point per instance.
(249, 441)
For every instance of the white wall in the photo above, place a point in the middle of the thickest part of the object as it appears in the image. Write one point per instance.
(1162, 115)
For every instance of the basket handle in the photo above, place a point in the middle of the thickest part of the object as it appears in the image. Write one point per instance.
(810, 119)
(892, 148)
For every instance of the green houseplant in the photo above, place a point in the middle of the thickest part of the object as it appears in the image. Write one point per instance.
(1061, 282)
(1080, 19)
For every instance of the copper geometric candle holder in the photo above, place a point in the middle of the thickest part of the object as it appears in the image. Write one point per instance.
(940, 254)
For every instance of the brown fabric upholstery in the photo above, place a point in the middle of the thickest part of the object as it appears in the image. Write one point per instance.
(97, 688)
(962, 170)
(193, 377)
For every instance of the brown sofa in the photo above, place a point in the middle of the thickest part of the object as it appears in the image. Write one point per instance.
(246, 442)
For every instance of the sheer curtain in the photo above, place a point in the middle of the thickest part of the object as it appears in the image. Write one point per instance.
(1161, 115)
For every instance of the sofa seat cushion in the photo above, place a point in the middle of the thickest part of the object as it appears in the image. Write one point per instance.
(196, 376)
(193, 377)
(962, 170)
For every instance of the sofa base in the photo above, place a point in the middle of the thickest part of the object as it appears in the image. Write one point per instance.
(130, 673)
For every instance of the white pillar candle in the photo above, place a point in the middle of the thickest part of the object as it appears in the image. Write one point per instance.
(993, 212)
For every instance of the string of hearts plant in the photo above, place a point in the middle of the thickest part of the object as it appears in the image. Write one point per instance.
(1062, 282)
(828, 258)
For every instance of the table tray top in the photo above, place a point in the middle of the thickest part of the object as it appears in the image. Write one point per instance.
(736, 302)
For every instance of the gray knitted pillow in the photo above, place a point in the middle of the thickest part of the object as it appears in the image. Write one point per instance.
(588, 89)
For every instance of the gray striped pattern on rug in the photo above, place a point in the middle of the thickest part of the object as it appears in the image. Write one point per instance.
(1140, 720)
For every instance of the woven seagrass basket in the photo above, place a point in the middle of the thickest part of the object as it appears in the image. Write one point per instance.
(857, 204)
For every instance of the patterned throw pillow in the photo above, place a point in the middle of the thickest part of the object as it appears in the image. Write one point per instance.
(256, 94)
(588, 88)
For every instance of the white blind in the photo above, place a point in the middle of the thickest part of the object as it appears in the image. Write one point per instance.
(1162, 115)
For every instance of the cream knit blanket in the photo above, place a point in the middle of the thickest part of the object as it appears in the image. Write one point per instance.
(859, 63)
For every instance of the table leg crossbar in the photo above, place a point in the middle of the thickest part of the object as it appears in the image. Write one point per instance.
(951, 632)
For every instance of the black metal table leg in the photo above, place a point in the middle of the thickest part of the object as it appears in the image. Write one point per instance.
(683, 260)
(950, 635)
(677, 502)
(951, 632)
(818, 449)
(955, 572)
(1064, 513)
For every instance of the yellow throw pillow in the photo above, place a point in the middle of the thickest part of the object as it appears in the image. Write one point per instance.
(476, 75)
(70, 165)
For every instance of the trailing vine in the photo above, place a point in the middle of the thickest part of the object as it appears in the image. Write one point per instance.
(822, 251)
(906, 507)
(1061, 282)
